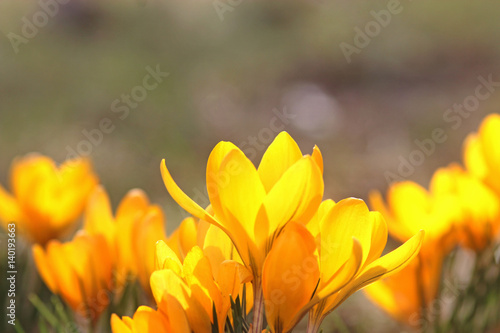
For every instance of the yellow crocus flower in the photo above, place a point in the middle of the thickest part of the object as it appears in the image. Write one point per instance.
(147, 320)
(478, 224)
(189, 283)
(482, 152)
(411, 207)
(198, 283)
(303, 273)
(80, 271)
(46, 199)
(253, 205)
(131, 234)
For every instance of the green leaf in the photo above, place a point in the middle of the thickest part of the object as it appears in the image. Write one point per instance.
(44, 310)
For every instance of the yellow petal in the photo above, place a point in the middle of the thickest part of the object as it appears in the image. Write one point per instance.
(379, 236)
(44, 267)
(213, 166)
(241, 193)
(198, 275)
(474, 158)
(290, 276)
(187, 235)
(149, 321)
(176, 315)
(314, 223)
(9, 209)
(182, 199)
(332, 284)
(241, 196)
(318, 157)
(326, 294)
(218, 248)
(281, 154)
(194, 209)
(99, 217)
(118, 326)
(396, 228)
(296, 196)
(131, 209)
(166, 258)
(202, 230)
(489, 133)
(75, 182)
(383, 267)
(166, 284)
(348, 218)
(66, 279)
(318, 305)
(229, 284)
(134, 203)
(146, 233)
(31, 177)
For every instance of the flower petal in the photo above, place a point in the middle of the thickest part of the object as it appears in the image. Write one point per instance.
(9, 209)
(213, 166)
(318, 157)
(348, 218)
(166, 284)
(119, 326)
(281, 154)
(99, 217)
(194, 209)
(290, 275)
(296, 196)
(166, 258)
(383, 267)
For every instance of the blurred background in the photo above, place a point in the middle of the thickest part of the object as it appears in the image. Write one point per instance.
(367, 81)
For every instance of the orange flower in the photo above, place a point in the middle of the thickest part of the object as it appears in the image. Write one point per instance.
(253, 205)
(131, 235)
(80, 271)
(478, 223)
(410, 208)
(303, 273)
(482, 152)
(147, 320)
(46, 200)
(193, 285)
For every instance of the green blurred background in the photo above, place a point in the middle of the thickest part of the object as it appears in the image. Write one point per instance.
(230, 73)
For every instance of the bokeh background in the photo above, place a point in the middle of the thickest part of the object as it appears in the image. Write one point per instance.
(231, 71)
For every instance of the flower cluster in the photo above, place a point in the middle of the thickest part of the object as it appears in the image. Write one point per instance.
(268, 246)
(461, 207)
(302, 255)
